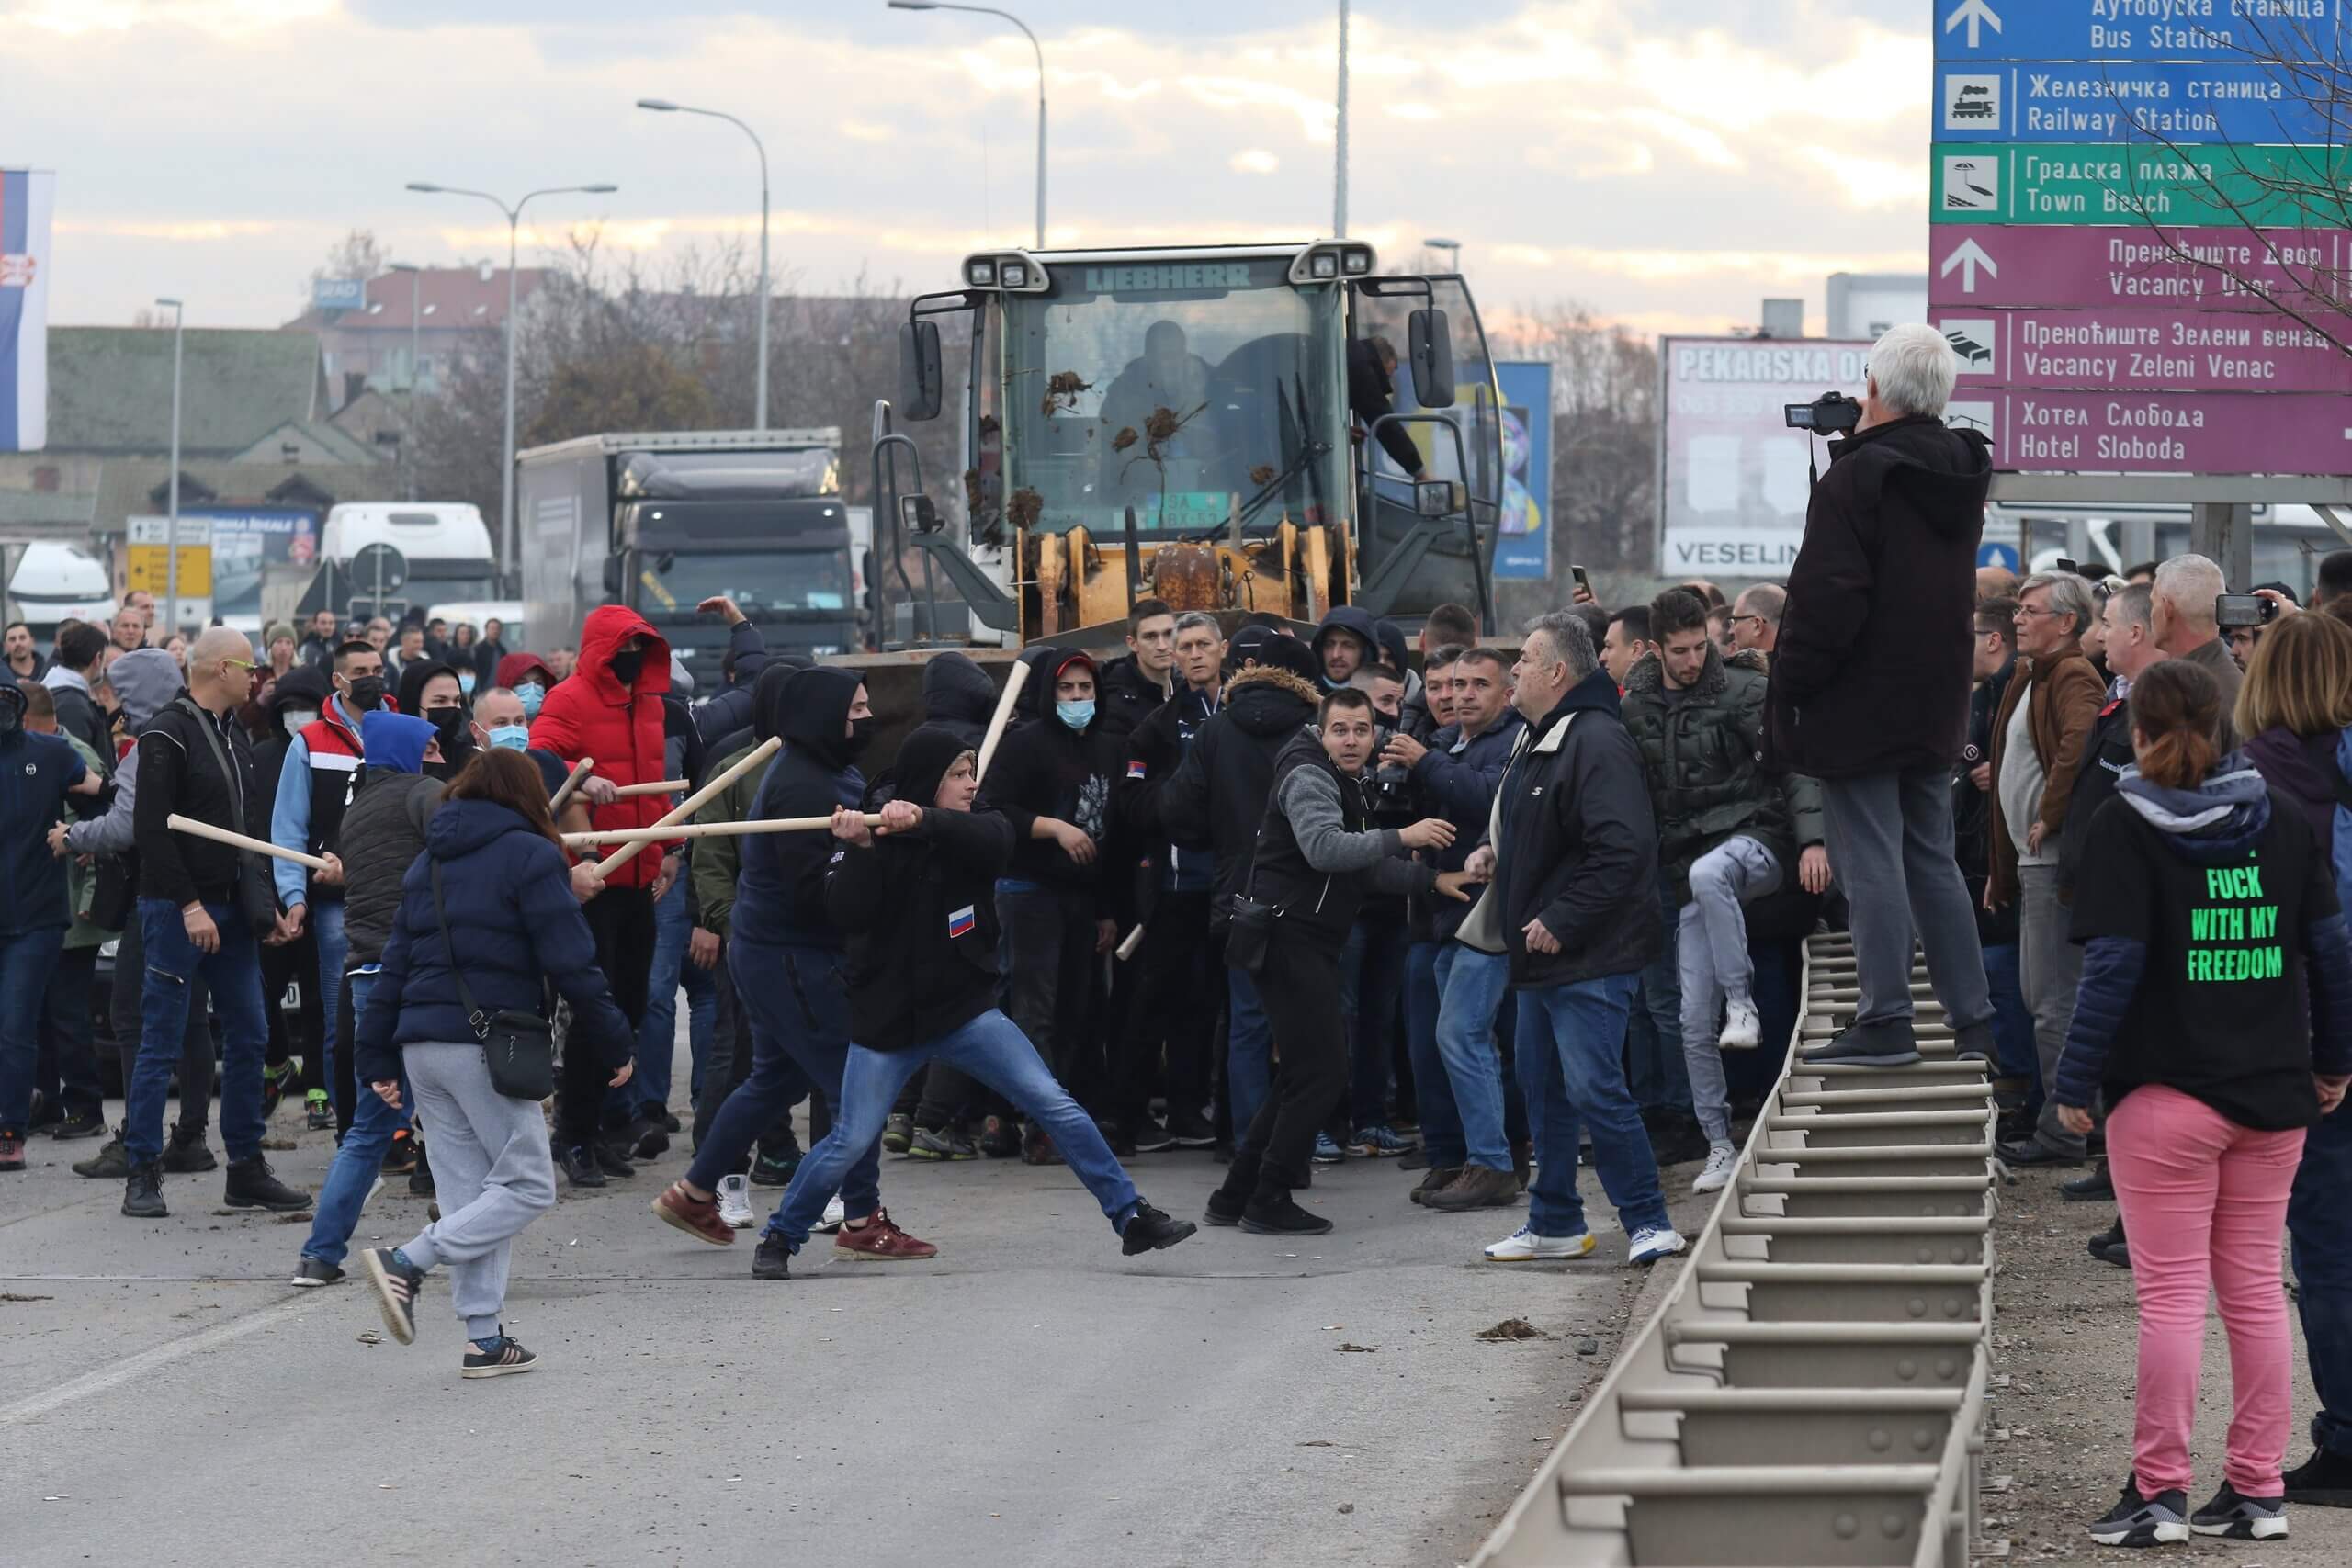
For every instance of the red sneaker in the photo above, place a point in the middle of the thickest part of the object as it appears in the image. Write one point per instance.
(699, 1217)
(875, 1239)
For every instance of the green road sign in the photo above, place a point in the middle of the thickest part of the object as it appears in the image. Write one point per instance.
(2212, 185)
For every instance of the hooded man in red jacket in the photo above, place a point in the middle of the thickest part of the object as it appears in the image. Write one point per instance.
(610, 709)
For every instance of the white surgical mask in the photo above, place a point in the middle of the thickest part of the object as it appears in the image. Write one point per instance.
(298, 719)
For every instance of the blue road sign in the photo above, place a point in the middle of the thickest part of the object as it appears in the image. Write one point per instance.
(2150, 102)
(2003, 556)
(2141, 29)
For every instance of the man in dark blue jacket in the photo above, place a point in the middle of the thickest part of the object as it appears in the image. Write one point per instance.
(1574, 863)
(1455, 776)
(785, 955)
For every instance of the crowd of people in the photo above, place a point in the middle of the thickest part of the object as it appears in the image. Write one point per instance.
(1287, 896)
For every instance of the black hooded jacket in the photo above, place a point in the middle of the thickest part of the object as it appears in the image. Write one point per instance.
(1217, 795)
(958, 697)
(1347, 618)
(1124, 697)
(1046, 769)
(919, 910)
(1873, 669)
(1372, 394)
(300, 687)
(780, 895)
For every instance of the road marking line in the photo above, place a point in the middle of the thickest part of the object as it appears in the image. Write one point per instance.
(146, 1361)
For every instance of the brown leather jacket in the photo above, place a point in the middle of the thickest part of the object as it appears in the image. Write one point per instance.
(2066, 696)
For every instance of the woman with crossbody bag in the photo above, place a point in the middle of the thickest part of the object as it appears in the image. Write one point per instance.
(487, 922)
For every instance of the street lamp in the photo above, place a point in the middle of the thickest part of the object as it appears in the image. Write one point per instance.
(415, 349)
(172, 527)
(759, 387)
(1452, 249)
(992, 11)
(1339, 137)
(513, 224)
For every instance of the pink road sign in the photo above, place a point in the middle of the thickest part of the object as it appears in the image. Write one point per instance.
(1987, 267)
(2155, 350)
(2161, 432)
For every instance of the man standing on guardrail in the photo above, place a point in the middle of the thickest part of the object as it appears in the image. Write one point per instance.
(1572, 853)
(1870, 690)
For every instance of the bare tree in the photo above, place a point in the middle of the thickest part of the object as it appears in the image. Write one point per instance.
(1604, 435)
(357, 254)
(2266, 188)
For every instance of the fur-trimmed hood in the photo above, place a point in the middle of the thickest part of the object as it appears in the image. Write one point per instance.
(1266, 700)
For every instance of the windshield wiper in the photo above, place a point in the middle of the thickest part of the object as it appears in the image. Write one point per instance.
(1308, 451)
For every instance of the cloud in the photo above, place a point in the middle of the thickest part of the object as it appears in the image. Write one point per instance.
(1660, 158)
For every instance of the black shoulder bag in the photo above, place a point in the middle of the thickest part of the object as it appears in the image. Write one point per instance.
(1249, 925)
(519, 1046)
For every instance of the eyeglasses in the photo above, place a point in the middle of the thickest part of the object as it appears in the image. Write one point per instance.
(1758, 619)
(240, 663)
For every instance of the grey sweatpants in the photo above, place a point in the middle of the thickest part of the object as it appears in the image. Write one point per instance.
(1890, 848)
(492, 1170)
(1712, 944)
(2050, 968)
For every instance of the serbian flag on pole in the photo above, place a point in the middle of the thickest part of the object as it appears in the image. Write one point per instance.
(26, 196)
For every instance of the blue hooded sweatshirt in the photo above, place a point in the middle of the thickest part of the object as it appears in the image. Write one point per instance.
(394, 742)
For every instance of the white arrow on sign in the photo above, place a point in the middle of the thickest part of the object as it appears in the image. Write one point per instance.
(1975, 13)
(1967, 259)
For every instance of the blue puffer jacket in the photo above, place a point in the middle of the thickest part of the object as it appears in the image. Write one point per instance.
(514, 918)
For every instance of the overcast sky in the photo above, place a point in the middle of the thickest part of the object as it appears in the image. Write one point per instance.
(1667, 162)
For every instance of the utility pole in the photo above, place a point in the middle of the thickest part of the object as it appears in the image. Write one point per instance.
(172, 527)
(1340, 141)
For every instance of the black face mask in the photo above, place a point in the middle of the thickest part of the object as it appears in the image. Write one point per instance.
(861, 735)
(450, 726)
(366, 693)
(626, 667)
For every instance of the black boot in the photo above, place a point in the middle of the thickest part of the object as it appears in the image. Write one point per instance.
(253, 1185)
(143, 1193)
(579, 1166)
(186, 1155)
(111, 1163)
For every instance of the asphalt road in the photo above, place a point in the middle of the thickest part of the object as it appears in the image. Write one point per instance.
(1031, 1397)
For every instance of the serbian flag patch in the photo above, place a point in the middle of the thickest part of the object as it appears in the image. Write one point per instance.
(960, 922)
(1135, 769)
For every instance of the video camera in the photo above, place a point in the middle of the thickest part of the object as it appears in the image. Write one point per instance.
(1831, 414)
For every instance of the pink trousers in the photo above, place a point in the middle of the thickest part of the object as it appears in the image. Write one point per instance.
(2204, 1199)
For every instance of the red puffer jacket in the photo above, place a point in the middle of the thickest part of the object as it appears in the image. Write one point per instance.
(591, 714)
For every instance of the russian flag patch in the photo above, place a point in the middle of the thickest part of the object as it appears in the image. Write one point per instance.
(1136, 769)
(960, 922)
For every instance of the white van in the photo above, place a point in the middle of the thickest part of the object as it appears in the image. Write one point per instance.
(56, 581)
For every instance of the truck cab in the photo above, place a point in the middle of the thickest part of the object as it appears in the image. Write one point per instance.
(443, 545)
(662, 521)
(1219, 427)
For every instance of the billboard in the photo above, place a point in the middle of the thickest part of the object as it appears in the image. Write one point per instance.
(1733, 479)
(1523, 545)
(339, 293)
(225, 552)
(26, 197)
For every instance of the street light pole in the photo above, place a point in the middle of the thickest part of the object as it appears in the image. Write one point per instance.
(760, 387)
(1452, 249)
(1339, 138)
(510, 558)
(415, 349)
(1035, 48)
(172, 527)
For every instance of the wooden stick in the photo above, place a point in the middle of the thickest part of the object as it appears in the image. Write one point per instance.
(189, 825)
(578, 772)
(692, 803)
(708, 830)
(657, 787)
(1126, 948)
(1002, 717)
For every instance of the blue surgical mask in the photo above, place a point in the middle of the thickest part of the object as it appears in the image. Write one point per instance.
(1077, 716)
(511, 737)
(532, 694)
(465, 681)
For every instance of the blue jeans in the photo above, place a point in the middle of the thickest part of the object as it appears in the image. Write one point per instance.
(1655, 1071)
(2319, 1221)
(1473, 985)
(27, 961)
(1432, 1094)
(360, 1157)
(798, 1013)
(657, 1038)
(2013, 1047)
(325, 920)
(1569, 1062)
(1250, 1051)
(232, 973)
(990, 1049)
(1372, 974)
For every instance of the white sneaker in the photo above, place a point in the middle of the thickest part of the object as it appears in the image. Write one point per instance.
(1654, 1242)
(1721, 1160)
(1743, 1028)
(834, 1215)
(735, 1200)
(1524, 1245)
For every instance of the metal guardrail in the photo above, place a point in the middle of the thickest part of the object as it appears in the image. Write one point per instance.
(1812, 1391)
